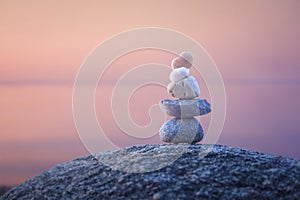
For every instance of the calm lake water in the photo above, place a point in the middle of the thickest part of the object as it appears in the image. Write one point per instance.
(38, 132)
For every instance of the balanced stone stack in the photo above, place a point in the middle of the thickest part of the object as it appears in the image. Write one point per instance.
(184, 127)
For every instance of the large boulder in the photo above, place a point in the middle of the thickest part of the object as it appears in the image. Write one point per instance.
(201, 172)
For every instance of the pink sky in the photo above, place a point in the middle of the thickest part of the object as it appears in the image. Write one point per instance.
(255, 45)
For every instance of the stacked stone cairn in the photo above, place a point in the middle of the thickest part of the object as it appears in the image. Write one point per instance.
(184, 127)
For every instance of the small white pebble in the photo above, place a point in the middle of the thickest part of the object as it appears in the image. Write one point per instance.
(179, 74)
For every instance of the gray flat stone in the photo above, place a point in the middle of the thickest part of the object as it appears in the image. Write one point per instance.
(181, 131)
(185, 108)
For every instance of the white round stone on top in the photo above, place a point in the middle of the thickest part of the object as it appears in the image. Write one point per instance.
(180, 62)
(187, 56)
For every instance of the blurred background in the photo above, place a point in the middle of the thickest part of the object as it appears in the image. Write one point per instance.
(254, 43)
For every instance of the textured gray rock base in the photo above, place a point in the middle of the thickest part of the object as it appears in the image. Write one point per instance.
(181, 131)
(224, 173)
(185, 108)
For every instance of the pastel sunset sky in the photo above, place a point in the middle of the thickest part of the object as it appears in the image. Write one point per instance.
(254, 43)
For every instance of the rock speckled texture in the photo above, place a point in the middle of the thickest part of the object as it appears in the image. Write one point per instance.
(224, 173)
